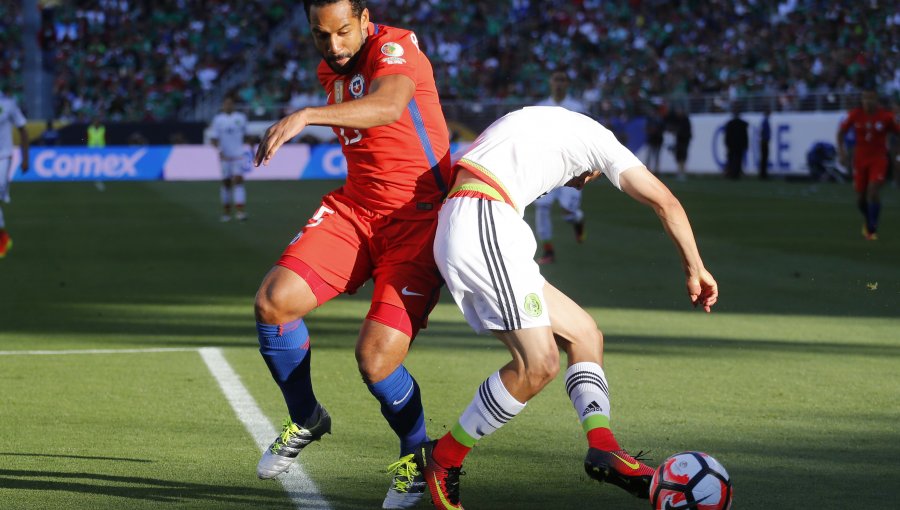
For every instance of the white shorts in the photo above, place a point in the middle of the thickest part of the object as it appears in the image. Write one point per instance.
(485, 252)
(235, 167)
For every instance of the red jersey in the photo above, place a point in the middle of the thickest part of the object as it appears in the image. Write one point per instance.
(403, 168)
(871, 132)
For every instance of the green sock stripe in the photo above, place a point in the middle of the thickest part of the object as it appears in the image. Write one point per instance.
(595, 422)
(462, 437)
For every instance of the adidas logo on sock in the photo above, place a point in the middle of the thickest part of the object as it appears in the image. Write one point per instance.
(593, 407)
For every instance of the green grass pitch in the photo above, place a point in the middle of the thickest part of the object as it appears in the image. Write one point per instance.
(793, 382)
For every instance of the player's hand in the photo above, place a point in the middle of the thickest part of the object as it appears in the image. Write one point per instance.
(703, 290)
(277, 135)
(24, 165)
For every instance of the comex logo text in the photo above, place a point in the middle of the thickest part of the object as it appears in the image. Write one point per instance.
(51, 164)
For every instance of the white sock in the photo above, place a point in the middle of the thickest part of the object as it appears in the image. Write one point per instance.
(2, 221)
(240, 195)
(588, 391)
(491, 408)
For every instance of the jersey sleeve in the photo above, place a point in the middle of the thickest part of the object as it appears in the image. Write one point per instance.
(396, 56)
(614, 157)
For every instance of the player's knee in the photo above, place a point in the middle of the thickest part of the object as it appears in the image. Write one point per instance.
(542, 370)
(271, 306)
(373, 367)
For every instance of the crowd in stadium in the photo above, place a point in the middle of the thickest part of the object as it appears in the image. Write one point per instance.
(136, 59)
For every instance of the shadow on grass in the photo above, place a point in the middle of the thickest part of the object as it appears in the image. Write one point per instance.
(151, 489)
(79, 457)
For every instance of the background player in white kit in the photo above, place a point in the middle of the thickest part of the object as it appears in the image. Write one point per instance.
(10, 115)
(484, 250)
(569, 198)
(228, 131)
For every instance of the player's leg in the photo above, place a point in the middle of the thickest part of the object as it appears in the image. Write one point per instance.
(380, 352)
(326, 248)
(239, 192)
(5, 169)
(407, 286)
(483, 251)
(543, 226)
(226, 193)
(877, 176)
(239, 195)
(570, 200)
(577, 334)
(861, 187)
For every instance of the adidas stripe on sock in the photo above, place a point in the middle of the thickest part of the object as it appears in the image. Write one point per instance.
(588, 390)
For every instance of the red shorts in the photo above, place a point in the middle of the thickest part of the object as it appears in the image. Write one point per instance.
(345, 245)
(869, 170)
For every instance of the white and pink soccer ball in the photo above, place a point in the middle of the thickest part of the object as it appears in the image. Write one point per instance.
(691, 480)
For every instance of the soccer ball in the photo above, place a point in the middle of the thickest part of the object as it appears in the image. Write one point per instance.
(691, 480)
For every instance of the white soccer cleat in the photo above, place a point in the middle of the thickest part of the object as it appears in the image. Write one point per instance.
(225, 218)
(279, 456)
(408, 485)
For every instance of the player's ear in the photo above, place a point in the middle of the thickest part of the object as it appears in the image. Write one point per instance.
(364, 20)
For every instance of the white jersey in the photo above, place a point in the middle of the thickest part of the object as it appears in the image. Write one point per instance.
(10, 115)
(534, 150)
(229, 129)
(568, 103)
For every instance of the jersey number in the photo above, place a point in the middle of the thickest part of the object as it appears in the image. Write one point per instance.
(351, 141)
(319, 216)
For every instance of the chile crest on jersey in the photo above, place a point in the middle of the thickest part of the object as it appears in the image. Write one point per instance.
(357, 86)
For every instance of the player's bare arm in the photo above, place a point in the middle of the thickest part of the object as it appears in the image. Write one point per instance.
(640, 184)
(384, 105)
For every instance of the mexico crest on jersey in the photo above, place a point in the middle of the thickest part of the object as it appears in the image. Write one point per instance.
(392, 49)
(357, 86)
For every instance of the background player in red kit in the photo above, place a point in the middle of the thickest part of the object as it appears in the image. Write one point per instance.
(384, 107)
(870, 158)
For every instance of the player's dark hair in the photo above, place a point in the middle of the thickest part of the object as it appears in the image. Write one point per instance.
(356, 5)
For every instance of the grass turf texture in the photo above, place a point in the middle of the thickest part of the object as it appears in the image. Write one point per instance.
(792, 383)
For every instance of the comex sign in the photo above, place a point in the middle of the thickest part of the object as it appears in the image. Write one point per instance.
(69, 164)
(50, 165)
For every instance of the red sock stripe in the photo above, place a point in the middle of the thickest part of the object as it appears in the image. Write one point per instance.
(602, 438)
(448, 452)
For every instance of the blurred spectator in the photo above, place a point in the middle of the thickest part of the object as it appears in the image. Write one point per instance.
(679, 123)
(765, 136)
(654, 130)
(137, 59)
(736, 143)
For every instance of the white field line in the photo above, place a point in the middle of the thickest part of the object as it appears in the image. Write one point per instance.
(97, 351)
(300, 488)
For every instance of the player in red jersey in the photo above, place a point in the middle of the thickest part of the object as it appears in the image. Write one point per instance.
(384, 107)
(870, 159)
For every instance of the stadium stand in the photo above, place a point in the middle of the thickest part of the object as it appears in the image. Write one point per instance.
(789, 55)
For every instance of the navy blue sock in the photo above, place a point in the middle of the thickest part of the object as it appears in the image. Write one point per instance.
(285, 348)
(872, 216)
(401, 406)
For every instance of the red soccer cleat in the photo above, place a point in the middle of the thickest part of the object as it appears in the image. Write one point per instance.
(620, 468)
(443, 483)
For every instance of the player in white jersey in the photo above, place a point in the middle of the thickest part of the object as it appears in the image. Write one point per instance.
(568, 198)
(10, 115)
(228, 133)
(484, 250)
